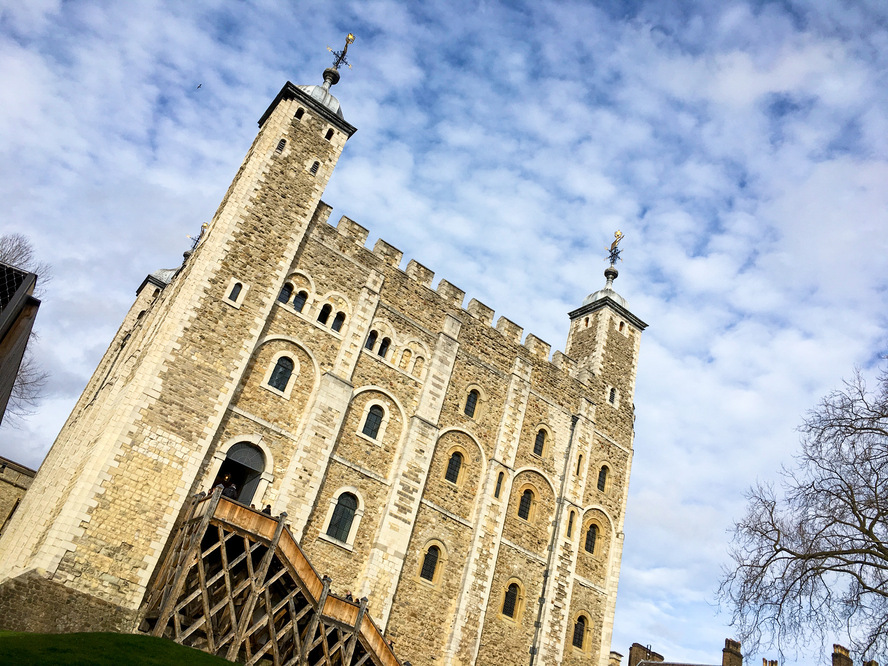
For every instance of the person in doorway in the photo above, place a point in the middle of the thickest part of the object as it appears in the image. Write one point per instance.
(267, 509)
(230, 491)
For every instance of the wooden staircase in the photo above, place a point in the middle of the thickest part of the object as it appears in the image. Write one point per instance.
(235, 583)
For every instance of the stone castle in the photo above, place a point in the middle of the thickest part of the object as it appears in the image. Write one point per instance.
(469, 485)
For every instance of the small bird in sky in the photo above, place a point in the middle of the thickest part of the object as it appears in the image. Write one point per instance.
(199, 85)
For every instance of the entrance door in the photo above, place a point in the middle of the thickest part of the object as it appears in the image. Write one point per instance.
(243, 466)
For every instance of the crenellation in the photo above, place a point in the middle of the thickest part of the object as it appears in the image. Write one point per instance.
(510, 329)
(420, 273)
(351, 229)
(480, 311)
(537, 347)
(450, 293)
(389, 253)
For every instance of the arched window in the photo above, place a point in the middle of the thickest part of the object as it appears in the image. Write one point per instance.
(570, 524)
(286, 292)
(612, 396)
(235, 291)
(591, 538)
(325, 313)
(280, 146)
(539, 444)
(373, 421)
(283, 369)
(453, 467)
(525, 504)
(314, 168)
(299, 301)
(579, 636)
(299, 113)
(622, 325)
(371, 340)
(579, 464)
(384, 347)
(510, 600)
(471, 403)
(343, 516)
(430, 563)
(499, 485)
(405, 359)
(417, 366)
(329, 134)
(338, 321)
(602, 478)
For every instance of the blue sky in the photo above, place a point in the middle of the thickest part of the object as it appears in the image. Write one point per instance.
(741, 147)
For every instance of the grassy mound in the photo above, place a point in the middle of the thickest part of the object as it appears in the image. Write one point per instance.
(101, 649)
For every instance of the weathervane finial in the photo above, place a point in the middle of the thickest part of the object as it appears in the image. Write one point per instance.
(614, 252)
(341, 55)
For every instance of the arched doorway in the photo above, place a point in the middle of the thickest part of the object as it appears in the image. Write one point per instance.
(243, 466)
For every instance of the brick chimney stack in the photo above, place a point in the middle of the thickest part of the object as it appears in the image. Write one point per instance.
(639, 652)
(841, 657)
(731, 655)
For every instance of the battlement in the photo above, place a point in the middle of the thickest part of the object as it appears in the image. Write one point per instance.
(451, 294)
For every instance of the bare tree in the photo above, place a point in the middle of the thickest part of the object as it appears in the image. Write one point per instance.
(16, 250)
(811, 559)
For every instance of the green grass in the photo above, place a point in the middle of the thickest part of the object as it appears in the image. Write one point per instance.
(101, 649)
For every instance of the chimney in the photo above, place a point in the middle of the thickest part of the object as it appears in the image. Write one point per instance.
(616, 658)
(640, 652)
(731, 655)
(840, 656)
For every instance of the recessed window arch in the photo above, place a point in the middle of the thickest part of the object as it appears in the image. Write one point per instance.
(324, 315)
(286, 293)
(591, 541)
(499, 484)
(539, 443)
(329, 134)
(622, 326)
(343, 517)
(338, 321)
(405, 359)
(570, 523)
(371, 340)
(384, 347)
(314, 168)
(280, 146)
(299, 301)
(418, 365)
(430, 563)
(235, 291)
(454, 466)
(579, 632)
(299, 113)
(603, 474)
(471, 405)
(281, 374)
(373, 421)
(579, 464)
(513, 601)
(612, 396)
(525, 504)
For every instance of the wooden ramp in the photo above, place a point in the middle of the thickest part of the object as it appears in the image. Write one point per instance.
(236, 584)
